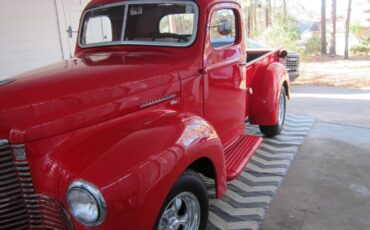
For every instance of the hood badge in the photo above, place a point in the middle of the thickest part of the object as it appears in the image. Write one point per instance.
(7, 81)
(157, 100)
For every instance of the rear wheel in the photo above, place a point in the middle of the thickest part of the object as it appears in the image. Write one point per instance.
(271, 131)
(186, 206)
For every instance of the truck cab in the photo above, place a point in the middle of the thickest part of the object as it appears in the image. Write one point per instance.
(122, 135)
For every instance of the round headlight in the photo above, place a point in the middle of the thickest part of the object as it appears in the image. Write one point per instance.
(86, 203)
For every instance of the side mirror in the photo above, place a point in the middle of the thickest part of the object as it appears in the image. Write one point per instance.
(224, 27)
(283, 54)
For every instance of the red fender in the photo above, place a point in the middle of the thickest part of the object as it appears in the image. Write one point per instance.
(267, 86)
(133, 160)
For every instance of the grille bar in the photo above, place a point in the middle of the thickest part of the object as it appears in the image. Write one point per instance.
(20, 207)
(13, 213)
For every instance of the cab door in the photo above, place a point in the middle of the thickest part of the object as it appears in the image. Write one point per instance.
(225, 71)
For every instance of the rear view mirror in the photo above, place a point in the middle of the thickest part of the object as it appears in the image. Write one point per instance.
(224, 27)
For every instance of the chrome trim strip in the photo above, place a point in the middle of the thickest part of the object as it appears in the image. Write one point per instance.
(124, 23)
(157, 100)
(7, 81)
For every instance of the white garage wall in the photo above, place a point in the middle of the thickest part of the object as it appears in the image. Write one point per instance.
(31, 36)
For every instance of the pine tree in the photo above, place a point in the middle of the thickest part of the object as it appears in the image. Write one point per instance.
(323, 27)
(348, 22)
(333, 50)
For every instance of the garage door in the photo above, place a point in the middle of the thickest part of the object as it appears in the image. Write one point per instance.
(72, 10)
(33, 33)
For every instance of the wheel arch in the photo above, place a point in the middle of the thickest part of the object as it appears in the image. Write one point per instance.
(142, 155)
(267, 85)
(206, 167)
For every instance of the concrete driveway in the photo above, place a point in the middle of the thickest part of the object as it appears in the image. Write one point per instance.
(328, 184)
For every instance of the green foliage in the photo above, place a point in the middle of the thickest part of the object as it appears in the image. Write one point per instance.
(360, 49)
(281, 34)
(313, 46)
(361, 32)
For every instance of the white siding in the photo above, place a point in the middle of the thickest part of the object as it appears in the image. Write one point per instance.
(29, 35)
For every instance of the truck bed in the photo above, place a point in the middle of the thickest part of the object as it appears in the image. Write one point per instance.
(256, 55)
(257, 58)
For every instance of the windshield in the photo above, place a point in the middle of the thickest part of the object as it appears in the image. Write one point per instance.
(140, 23)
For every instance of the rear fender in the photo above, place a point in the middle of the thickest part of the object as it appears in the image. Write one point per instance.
(134, 161)
(267, 86)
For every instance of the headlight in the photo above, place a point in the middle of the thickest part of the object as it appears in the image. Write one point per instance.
(86, 203)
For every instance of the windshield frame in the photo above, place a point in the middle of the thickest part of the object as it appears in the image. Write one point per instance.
(140, 43)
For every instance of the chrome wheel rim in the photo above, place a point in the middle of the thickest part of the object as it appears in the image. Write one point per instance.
(281, 109)
(182, 213)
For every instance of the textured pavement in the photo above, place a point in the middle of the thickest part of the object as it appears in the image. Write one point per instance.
(328, 183)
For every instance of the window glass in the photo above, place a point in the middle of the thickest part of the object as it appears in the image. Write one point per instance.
(102, 25)
(177, 24)
(223, 28)
(99, 29)
(167, 23)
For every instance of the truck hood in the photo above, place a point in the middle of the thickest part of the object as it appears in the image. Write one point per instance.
(84, 91)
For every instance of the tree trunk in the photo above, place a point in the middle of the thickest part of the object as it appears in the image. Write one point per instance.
(255, 22)
(348, 22)
(267, 13)
(249, 23)
(333, 50)
(285, 11)
(323, 27)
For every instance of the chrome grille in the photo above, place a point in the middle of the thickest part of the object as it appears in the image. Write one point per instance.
(20, 207)
(13, 212)
(292, 62)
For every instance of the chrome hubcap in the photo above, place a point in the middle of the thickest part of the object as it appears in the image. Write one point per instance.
(182, 213)
(281, 109)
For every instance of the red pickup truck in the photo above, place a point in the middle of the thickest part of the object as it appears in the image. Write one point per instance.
(116, 138)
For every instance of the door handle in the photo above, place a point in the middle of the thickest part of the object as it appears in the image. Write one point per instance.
(243, 64)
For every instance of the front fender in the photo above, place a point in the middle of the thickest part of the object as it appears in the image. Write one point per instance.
(267, 86)
(133, 160)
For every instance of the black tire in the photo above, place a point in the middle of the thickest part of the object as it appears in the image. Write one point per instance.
(271, 131)
(188, 183)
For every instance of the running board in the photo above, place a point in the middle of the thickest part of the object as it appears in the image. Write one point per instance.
(238, 155)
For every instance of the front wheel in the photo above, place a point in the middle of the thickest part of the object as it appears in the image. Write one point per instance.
(271, 131)
(186, 206)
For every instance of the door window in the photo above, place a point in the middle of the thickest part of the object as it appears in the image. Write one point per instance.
(99, 29)
(102, 25)
(223, 28)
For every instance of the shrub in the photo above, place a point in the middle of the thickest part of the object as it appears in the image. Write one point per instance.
(312, 46)
(360, 49)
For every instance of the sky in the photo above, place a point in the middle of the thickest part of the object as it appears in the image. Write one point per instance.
(315, 5)
(358, 6)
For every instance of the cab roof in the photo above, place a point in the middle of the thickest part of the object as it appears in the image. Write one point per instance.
(201, 3)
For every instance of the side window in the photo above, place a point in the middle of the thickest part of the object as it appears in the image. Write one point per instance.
(223, 28)
(102, 25)
(99, 29)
